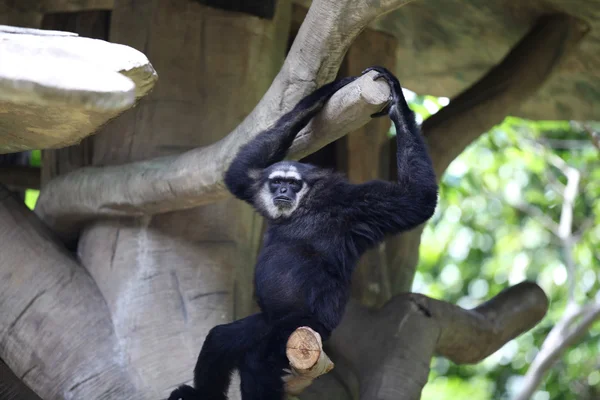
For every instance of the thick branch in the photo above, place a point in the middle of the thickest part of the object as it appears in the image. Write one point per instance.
(55, 332)
(502, 90)
(412, 327)
(470, 336)
(195, 178)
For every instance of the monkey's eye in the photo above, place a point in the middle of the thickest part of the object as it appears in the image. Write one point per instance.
(296, 185)
(276, 181)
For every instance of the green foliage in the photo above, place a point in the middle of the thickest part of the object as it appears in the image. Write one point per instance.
(486, 235)
(32, 195)
(455, 387)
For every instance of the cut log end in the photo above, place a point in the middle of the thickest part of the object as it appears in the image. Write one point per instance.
(303, 348)
(307, 359)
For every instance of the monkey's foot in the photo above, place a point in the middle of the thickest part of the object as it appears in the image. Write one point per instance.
(185, 392)
(392, 81)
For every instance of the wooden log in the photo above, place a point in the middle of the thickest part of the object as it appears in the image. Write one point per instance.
(307, 359)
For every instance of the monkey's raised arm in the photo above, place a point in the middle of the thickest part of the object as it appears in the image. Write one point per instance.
(378, 207)
(272, 145)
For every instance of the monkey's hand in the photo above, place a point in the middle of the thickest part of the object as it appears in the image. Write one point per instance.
(395, 88)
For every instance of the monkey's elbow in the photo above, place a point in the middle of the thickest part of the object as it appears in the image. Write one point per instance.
(429, 201)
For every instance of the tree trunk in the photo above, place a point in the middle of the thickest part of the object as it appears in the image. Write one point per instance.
(168, 279)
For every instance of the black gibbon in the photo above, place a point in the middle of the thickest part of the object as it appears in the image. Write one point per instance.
(319, 225)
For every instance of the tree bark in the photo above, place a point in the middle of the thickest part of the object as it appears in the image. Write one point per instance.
(411, 328)
(56, 332)
(174, 183)
(168, 279)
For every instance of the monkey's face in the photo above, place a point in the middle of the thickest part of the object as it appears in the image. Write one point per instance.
(282, 190)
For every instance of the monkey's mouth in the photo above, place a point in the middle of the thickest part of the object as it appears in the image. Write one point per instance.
(282, 201)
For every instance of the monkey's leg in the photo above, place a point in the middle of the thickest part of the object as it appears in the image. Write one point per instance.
(261, 378)
(221, 352)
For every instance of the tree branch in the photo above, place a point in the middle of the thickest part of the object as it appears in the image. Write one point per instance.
(538, 215)
(470, 336)
(46, 297)
(502, 90)
(412, 327)
(594, 136)
(562, 334)
(195, 178)
(558, 340)
(527, 67)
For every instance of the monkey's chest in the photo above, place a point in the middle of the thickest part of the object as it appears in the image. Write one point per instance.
(286, 277)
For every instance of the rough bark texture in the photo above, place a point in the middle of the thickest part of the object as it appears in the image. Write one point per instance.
(56, 332)
(195, 178)
(168, 279)
(430, 326)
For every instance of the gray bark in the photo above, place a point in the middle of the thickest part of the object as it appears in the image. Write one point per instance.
(56, 332)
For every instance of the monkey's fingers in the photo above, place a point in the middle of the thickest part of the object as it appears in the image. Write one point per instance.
(378, 68)
(384, 112)
(394, 84)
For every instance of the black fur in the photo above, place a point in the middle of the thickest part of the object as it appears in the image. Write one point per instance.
(303, 272)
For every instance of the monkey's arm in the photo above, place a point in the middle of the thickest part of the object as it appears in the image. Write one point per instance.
(272, 145)
(379, 207)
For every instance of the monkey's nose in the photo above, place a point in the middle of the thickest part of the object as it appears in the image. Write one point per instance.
(283, 190)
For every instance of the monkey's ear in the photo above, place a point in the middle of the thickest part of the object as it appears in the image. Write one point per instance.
(254, 174)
